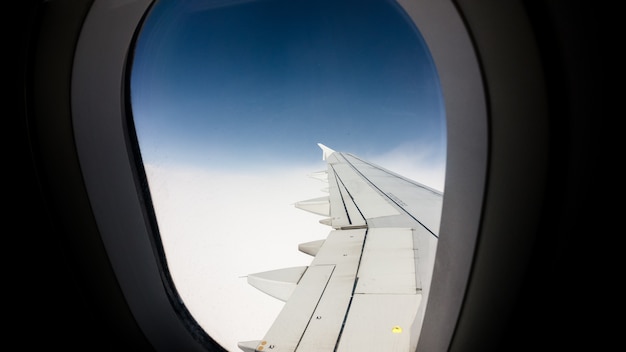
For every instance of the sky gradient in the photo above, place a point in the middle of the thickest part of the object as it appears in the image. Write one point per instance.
(218, 82)
(229, 101)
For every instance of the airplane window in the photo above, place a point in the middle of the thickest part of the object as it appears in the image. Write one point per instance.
(229, 100)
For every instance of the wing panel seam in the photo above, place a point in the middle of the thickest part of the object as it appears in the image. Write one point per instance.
(383, 193)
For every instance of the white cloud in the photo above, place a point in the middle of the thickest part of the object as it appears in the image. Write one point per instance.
(217, 227)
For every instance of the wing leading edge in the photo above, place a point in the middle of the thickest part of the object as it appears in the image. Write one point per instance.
(366, 288)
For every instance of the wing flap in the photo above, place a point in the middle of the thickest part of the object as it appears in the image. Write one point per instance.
(312, 318)
(286, 331)
(388, 262)
(380, 322)
(342, 249)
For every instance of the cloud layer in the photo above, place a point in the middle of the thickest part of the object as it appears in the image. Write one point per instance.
(217, 227)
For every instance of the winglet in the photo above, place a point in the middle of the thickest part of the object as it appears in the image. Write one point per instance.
(326, 152)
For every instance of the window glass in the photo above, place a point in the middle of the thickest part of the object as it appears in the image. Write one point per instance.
(229, 100)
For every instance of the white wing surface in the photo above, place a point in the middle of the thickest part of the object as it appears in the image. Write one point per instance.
(367, 286)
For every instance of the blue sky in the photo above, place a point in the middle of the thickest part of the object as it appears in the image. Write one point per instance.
(229, 101)
(223, 82)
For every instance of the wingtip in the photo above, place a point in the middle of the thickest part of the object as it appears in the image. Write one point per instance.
(326, 152)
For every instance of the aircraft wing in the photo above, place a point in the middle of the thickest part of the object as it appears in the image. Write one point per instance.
(367, 286)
